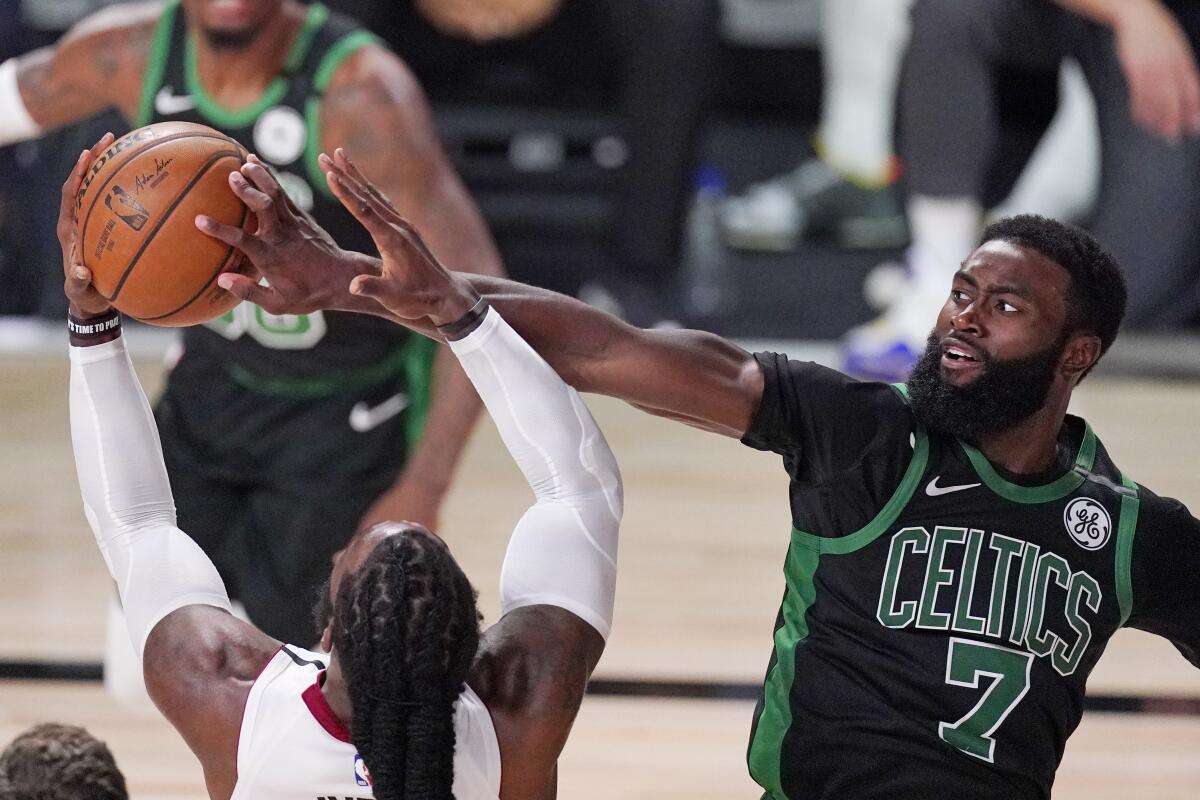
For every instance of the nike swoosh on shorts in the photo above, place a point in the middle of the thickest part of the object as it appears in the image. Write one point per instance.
(364, 417)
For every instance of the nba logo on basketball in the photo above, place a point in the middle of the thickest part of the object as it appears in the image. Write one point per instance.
(361, 776)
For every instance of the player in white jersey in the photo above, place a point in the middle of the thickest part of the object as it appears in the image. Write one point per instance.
(413, 701)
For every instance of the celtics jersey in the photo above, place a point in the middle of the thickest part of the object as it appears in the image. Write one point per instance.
(939, 644)
(293, 356)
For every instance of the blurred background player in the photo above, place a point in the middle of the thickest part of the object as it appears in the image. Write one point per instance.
(52, 761)
(654, 62)
(1138, 60)
(413, 701)
(259, 406)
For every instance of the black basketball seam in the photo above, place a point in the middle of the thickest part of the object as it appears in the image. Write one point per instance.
(200, 173)
(220, 268)
(87, 219)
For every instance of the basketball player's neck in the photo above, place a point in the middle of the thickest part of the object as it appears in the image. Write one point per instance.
(237, 77)
(1031, 446)
(336, 695)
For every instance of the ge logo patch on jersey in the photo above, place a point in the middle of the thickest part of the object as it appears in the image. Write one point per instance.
(280, 135)
(1088, 523)
(361, 776)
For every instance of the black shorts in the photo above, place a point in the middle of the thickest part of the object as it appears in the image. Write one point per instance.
(271, 488)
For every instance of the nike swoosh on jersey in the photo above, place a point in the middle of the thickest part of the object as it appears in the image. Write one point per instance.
(364, 417)
(933, 490)
(167, 102)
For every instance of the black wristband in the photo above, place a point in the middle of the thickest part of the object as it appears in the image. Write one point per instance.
(467, 322)
(94, 330)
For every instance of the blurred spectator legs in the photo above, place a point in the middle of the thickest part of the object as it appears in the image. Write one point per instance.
(1148, 204)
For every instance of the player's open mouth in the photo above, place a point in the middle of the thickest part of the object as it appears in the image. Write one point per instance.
(959, 356)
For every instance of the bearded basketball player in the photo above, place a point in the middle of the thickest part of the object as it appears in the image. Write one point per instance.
(413, 701)
(962, 548)
(286, 80)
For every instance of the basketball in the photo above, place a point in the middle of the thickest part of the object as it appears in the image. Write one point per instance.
(135, 218)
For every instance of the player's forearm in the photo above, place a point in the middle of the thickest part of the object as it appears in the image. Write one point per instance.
(692, 376)
(564, 550)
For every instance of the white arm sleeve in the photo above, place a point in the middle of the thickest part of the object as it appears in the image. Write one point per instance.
(127, 497)
(563, 552)
(15, 123)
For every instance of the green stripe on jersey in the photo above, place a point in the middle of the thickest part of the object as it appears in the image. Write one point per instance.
(1126, 528)
(886, 516)
(156, 64)
(243, 117)
(341, 50)
(420, 353)
(1049, 492)
(766, 749)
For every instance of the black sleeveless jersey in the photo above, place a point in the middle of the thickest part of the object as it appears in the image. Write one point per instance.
(939, 620)
(290, 356)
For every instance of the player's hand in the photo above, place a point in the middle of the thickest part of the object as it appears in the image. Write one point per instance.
(1160, 69)
(413, 283)
(408, 500)
(487, 20)
(304, 267)
(77, 279)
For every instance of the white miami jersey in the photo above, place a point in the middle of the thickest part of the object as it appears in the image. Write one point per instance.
(293, 747)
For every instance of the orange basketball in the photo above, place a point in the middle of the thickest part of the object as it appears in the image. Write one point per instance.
(135, 218)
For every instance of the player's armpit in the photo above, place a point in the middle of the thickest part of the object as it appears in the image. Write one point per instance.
(95, 66)
(199, 664)
(531, 672)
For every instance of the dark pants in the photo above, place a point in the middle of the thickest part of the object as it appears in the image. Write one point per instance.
(654, 60)
(1148, 211)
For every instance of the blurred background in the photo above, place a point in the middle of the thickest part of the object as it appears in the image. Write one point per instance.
(802, 175)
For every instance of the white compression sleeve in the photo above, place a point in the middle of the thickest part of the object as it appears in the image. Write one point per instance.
(563, 552)
(15, 123)
(127, 496)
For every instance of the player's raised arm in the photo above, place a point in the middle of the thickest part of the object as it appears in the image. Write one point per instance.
(95, 66)
(558, 582)
(198, 659)
(692, 376)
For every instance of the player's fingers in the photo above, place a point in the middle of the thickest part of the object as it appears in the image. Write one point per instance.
(248, 288)
(235, 237)
(372, 286)
(364, 208)
(66, 208)
(262, 179)
(102, 145)
(352, 169)
(258, 201)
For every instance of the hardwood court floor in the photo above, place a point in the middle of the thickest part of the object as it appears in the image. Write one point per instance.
(701, 551)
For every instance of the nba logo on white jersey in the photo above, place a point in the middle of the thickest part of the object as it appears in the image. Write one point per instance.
(361, 776)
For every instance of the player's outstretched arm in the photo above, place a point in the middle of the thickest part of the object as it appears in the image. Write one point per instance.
(198, 659)
(95, 66)
(692, 376)
(558, 581)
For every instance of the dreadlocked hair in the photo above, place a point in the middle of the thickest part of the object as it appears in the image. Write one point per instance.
(59, 762)
(405, 634)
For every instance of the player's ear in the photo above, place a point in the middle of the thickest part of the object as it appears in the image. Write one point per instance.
(1081, 352)
(327, 638)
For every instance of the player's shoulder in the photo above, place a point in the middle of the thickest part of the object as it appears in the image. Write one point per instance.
(815, 381)
(1159, 515)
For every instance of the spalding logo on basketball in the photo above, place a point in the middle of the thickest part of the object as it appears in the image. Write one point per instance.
(1088, 523)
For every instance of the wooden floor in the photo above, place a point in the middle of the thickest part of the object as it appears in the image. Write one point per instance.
(706, 529)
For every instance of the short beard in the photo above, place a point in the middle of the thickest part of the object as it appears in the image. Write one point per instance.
(231, 41)
(1005, 394)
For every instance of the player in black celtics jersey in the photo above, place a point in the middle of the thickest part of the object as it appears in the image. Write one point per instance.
(962, 548)
(260, 405)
